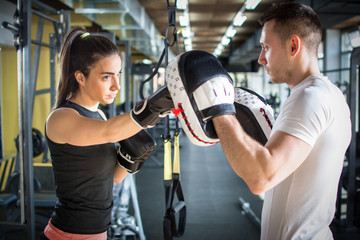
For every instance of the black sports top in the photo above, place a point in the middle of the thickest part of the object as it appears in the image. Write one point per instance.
(84, 182)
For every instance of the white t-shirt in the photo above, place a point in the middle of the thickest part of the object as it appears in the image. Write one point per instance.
(303, 205)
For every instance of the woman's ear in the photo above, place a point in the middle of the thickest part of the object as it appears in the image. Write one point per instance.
(295, 45)
(80, 77)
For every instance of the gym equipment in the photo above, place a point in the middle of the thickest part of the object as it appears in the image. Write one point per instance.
(172, 183)
(134, 151)
(38, 142)
(254, 114)
(347, 214)
(201, 89)
(21, 29)
(245, 207)
(124, 225)
(151, 110)
(172, 186)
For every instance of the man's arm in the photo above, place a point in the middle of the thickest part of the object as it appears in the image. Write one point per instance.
(260, 167)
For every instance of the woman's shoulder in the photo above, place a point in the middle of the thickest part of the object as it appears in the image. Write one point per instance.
(59, 121)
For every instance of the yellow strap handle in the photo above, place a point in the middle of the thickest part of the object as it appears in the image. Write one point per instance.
(167, 160)
(176, 168)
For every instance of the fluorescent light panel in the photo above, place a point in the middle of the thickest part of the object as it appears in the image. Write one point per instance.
(225, 41)
(181, 4)
(239, 19)
(184, 20)
(251, 4)
(230, 32)
(186, 32)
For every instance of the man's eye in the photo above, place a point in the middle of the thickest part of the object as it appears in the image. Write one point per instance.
(106, 77)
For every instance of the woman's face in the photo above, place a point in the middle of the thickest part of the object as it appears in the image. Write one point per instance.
(102, 83)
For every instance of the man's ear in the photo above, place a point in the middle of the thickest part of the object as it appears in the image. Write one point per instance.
(80, 77)
(295, 45)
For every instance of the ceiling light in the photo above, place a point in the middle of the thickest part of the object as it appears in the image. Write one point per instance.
(181, 4)
(184, 20)
(186, 32)
(230, 32)
(251, 4)
(220, 46)
(187, 41)
(225, 41)
(217, 52)
(188, 47)
(239, 19)
(147, 61)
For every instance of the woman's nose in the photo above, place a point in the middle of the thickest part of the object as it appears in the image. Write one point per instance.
(116, 84)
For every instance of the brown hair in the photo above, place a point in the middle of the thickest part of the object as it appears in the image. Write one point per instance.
(295, 19)
(80, 51)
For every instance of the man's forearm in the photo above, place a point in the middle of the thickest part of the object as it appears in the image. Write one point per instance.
(242, 152)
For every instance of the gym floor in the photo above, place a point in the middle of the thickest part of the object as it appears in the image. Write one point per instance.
(211, 191)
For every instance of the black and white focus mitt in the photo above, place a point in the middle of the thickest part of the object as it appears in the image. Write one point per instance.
(134, 151)
(254, 114)
(201, 89)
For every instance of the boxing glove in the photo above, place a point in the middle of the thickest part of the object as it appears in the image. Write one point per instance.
(152, 109)
(201, 89)
(134, 151)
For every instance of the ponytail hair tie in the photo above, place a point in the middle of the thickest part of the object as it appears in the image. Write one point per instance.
(84, 35)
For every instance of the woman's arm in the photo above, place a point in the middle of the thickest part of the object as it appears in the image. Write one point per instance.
(65, 125)
(119, 173)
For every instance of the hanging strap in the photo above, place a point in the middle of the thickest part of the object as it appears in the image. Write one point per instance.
(172, 182)
(172, 186)
(172, 23)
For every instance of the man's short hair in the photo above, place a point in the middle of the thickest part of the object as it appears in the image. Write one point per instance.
(295, 19)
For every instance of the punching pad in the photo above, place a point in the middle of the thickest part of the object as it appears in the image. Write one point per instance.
(201, 89)
(254, 114)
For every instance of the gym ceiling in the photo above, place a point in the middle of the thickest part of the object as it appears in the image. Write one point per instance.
(145, 22)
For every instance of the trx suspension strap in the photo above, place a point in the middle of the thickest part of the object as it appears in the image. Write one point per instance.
(172, 186)
(172, 182)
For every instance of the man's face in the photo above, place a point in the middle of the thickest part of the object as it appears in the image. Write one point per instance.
(274, 54)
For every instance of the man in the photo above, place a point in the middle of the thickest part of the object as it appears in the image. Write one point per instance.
(300, 166)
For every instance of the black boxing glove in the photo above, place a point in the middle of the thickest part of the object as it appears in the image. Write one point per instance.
(201, 89)
(152, 109)
(134, 151)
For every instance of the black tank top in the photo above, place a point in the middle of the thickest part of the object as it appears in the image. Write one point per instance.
(84, 182)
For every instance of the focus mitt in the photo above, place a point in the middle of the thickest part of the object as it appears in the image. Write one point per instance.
(254, 114)
(201, 89)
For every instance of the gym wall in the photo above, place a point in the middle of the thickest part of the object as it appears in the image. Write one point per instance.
(10, 92)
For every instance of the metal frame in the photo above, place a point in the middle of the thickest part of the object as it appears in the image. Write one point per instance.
(354, 103)
(26, 94)
(349, 199)
(1, 118)
(130, 178)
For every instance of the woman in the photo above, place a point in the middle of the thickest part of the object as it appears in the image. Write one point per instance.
(82, 141)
